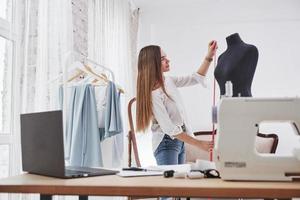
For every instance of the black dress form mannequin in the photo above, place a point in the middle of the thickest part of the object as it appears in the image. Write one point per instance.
(237, 64)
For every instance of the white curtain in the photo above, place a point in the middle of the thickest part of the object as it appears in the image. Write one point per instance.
(112, 42)
(48, 37)
(47, 41)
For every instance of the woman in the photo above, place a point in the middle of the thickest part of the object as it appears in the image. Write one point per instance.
(158, 100)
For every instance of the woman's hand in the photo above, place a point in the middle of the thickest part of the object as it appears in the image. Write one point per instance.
(212, 48)
(206, 145)
(202, 144)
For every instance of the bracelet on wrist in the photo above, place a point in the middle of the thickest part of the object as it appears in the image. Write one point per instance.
(208, 59)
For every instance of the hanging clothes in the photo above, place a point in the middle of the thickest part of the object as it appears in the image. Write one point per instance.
(113, 126)
(82, 141)
(83, 135)
(112, 113)
(100, 94)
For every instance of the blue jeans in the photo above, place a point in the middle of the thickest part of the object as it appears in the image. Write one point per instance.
(170, 152)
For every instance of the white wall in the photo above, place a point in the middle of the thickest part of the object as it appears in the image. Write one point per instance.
(183, 29)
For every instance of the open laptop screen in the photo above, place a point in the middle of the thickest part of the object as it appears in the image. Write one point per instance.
(42, 143)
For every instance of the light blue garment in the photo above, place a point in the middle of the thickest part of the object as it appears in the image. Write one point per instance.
(82, 145)
(113, 124)
(112, 116)
(113, 119)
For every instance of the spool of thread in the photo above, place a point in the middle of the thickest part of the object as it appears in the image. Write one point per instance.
(228, 89)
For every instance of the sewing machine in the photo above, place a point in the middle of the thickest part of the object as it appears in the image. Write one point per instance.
(237, 125)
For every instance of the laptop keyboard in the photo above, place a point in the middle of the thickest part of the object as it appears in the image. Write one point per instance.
(74, 172)
(86, 171)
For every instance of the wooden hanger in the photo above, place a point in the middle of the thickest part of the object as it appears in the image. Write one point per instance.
(78, 74)
(101, 77)
(86, 69)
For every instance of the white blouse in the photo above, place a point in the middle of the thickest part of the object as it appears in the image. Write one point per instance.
(169, 114)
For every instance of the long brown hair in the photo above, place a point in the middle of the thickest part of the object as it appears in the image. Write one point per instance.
(149, 76)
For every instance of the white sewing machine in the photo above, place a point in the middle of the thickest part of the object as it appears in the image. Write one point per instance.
(237, 125)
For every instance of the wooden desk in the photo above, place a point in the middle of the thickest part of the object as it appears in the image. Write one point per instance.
(148, 186)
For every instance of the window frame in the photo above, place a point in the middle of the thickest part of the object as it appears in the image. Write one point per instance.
(8, 31)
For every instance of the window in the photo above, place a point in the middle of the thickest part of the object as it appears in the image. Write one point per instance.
(4, 160)
(5, 9)
(7, 42)
(5, 84)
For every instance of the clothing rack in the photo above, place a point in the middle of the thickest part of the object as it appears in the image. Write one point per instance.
(69, 58)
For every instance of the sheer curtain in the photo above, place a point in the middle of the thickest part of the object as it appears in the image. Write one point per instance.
(48, 36)
(112, 43)
(45, 41)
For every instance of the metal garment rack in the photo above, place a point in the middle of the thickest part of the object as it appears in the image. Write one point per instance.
(69, 58)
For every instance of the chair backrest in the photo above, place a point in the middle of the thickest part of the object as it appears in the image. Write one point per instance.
(132, 143)
(265, 143)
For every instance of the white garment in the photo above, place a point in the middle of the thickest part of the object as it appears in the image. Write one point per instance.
(100, 95)
(169, 114)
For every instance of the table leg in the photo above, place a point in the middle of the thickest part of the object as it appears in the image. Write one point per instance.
(45, 197)
(49, 197)
(83, 197)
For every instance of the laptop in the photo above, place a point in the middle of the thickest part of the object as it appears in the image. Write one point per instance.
(42, 147)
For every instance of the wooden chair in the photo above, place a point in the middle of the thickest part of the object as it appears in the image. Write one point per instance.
(132, 144)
